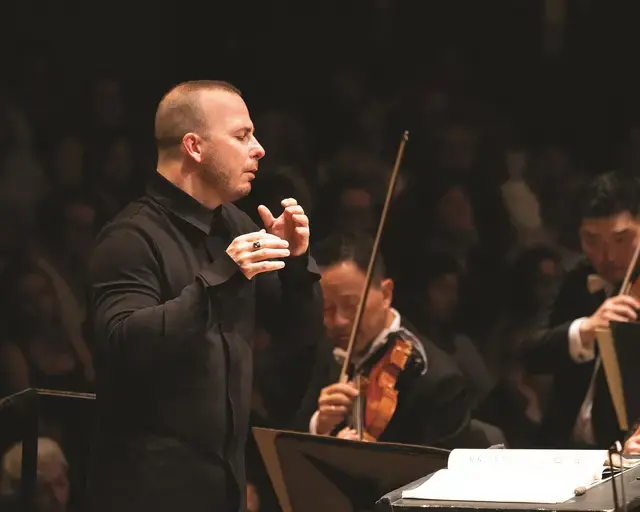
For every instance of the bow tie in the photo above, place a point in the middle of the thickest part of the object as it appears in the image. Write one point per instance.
(339, 355)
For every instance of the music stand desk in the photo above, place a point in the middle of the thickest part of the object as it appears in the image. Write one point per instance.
(323, 474)
(597, 499)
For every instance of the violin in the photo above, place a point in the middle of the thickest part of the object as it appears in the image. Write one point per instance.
(379, 390)
(377, 399)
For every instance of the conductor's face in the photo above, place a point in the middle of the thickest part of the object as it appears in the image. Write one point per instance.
(230, 151)
(342, 285)
(609, 243)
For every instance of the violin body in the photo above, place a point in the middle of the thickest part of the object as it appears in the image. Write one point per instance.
(379, 389)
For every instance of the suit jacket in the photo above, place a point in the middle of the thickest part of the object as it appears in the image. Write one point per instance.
(546, 351)
(434, 409)
(174, 320)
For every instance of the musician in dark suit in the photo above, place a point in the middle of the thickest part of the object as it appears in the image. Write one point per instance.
(580, 412)
(178, 281)
(434, 403)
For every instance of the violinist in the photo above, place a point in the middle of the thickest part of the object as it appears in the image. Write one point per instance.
(433, 401)
(580, 413)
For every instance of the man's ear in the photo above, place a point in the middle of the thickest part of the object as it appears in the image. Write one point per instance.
(192, 145)
(387, 292)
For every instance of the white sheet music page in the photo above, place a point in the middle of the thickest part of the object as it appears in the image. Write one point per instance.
(512, 476)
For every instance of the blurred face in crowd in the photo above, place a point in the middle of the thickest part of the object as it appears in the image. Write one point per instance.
(108, 105)
(342, 287)
(118, 166)
(609, 244)
(52, 477)
(458, 151)
(79, 230)
(10, 234)
(356, 207)
(454, 211)
(543, 286)
(455, 218)
(36, 299)
(68, 162)
(442, 297)
(229, 153)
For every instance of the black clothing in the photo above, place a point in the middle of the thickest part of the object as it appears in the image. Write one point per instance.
(546, 351)
(174, 319)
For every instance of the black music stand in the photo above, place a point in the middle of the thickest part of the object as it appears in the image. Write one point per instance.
(319, 473)
(619, 349)
(28, 402)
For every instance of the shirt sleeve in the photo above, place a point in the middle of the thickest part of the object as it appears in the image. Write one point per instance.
(131, 320)
(581, 351)
(313, 423)
(290, 306)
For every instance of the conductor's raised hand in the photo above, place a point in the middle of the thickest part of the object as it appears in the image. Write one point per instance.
(292, 225)
(258, 252)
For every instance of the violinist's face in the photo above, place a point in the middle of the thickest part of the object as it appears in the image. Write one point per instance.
(609, 243)
(342, 287)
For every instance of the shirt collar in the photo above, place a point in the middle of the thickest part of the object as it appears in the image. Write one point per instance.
(596, 284)
(178, 202)
(377, 342)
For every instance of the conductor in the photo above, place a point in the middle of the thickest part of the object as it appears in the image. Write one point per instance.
(178, 280)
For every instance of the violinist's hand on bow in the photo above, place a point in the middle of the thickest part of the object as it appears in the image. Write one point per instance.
(334, 403)
(292, 225)
(621, 308)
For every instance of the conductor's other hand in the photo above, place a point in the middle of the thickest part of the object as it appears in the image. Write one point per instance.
(334, 403)
(258, 252)
(292, 225)
(621, 308)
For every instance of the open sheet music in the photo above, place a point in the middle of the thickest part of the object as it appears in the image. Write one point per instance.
(513, 476)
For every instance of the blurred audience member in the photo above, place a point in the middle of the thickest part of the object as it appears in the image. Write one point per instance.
(112, 183)
(532, 280)
(52, 484)
(66, 164)
(431, 294)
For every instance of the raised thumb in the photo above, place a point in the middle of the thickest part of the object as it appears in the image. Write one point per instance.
(266, 216)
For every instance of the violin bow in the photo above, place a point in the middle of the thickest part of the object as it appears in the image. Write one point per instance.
(626, 284)
(372, 259)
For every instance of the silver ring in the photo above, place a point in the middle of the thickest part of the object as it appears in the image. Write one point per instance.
(256, 244)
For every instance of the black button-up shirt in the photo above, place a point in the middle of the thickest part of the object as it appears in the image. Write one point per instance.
(174, 319)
